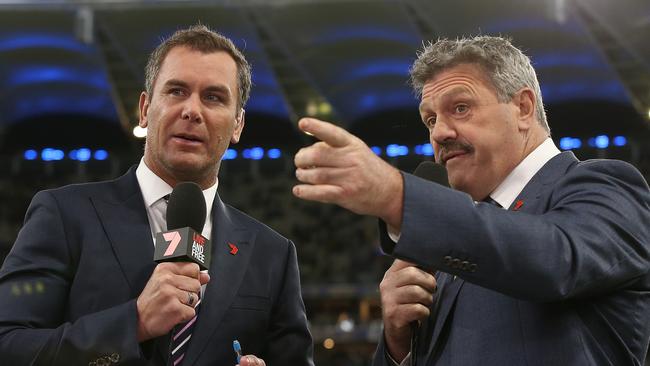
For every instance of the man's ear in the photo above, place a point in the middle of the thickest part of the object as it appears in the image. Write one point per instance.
(525, 101)
(239, 126)
(144, 109)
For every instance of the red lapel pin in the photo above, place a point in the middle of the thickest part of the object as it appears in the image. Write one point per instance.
(518, 205)
(233, 248)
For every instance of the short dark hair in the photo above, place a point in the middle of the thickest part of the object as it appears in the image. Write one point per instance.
(200, 38)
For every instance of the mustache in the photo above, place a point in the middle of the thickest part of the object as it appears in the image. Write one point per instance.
(447, 147)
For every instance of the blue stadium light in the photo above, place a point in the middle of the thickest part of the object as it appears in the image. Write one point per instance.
(376, 150)
(273, 153)
(49, 154)
(568, 143)
(83, 154)
(246, 154)
(403, 150)
(427, 150)
(100, 154)
(417, 149)
(392, 150)
(577, 143)
(602, 141)
(620, 141)
(16, 41)
(73, 154)
(230, 154)
(257, 153)
(31, 154)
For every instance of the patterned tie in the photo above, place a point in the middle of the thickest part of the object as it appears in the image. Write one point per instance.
(182, 333)
(181, 337)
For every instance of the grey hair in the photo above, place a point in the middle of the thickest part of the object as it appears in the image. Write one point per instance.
(506, 66)
(200, 38)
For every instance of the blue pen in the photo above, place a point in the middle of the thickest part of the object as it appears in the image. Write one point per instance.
(237, 347)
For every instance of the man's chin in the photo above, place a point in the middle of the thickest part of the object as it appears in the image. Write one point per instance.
(190, 168)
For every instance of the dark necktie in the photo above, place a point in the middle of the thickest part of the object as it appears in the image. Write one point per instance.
(489, 200)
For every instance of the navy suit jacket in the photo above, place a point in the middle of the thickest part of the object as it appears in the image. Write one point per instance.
(561, 278)
(68, 287)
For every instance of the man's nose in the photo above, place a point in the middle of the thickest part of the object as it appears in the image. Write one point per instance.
(442, 131)
(192, 109)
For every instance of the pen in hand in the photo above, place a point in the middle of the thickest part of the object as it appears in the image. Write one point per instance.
(237, 348)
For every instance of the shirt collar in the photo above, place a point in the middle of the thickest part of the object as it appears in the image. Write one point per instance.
(506, 192)
(154, 188)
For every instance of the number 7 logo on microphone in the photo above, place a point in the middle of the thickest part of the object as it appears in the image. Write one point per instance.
(173, 238)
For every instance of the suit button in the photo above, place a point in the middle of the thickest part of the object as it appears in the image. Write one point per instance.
(115, 358)
(472, 267)
(447, 260)
(464, 265)
(455, 263)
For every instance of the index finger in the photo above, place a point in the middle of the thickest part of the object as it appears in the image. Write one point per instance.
(329, 133)
(188, 269)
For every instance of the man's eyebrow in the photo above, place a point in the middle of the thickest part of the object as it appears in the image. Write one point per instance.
(424, 104)
(175, 82)
(218, 88)
(212, 88)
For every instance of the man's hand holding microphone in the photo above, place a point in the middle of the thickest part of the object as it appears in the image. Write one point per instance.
(170, 296)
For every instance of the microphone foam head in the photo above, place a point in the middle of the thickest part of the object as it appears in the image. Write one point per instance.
(432, 172)
(186, 207)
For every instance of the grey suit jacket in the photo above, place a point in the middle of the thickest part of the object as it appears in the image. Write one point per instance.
(561, 278)
(69, 285)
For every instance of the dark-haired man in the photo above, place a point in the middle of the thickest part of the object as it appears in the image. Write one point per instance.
(89, 247)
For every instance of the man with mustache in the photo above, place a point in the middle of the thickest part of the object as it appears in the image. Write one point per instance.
(541, 259)
(89, 248)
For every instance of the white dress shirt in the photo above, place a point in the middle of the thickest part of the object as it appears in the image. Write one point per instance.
(153, 190)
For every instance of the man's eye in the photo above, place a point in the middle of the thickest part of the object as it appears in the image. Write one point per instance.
(212, 97)
(176, 91)
(430, 121)
(461, 108)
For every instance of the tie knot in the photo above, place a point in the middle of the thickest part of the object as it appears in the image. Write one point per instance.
(489, 200)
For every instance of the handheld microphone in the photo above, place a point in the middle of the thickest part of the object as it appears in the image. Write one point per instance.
(183, 242)
(438, 174)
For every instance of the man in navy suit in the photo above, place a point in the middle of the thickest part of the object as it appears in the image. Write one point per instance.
(541, 259)
(80, 286)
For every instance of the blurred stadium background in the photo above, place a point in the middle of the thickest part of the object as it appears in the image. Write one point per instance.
(71, 72)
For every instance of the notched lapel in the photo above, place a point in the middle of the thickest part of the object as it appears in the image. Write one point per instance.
(551, 172)
(126, 225)
(444, 306)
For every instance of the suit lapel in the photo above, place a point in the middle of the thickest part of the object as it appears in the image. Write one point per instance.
(550, 173)
(553, 170)
(226, 274)
(124, 219)
(443, 307)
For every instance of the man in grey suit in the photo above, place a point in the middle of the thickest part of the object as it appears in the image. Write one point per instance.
(541, 259)
(80, 286)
